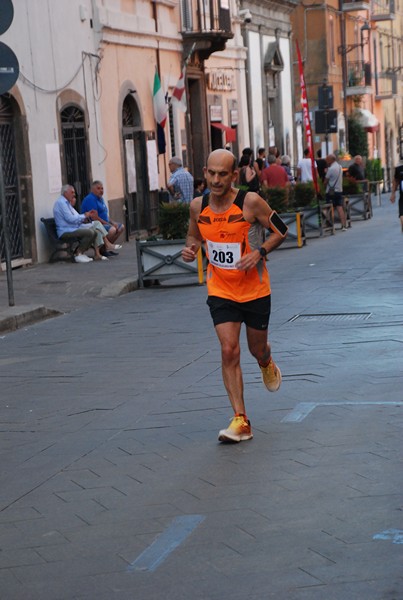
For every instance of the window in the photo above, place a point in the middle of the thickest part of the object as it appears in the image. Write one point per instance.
(186, 9)
(331, 41)
(171, 130)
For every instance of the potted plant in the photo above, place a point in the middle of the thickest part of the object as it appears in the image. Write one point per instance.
(304, 195)
(357, 137)
(160, 256)
(281, 200)
(173, 220)
(317, 216)
(277, 197)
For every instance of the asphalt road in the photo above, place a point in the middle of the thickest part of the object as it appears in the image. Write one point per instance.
(113, 484)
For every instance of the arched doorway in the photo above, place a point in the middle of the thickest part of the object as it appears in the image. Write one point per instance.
(75, 154)
(138, 213)
(10, 176)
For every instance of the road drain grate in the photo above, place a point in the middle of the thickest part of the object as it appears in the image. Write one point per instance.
(331, 317)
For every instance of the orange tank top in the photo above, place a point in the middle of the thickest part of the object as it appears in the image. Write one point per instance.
(227, 237)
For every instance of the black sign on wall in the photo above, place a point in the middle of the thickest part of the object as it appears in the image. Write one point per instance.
(325, 121)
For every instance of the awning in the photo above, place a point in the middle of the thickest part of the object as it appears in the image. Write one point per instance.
(230, 133)
(367, 120)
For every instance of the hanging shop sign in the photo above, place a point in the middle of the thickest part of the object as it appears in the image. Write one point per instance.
(215, 112)
(221, 81)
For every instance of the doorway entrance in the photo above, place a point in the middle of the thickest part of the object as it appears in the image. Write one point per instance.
(141, 205)
(76, 165)
(10, 176)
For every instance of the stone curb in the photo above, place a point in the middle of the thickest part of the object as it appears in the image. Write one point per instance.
(16, 317)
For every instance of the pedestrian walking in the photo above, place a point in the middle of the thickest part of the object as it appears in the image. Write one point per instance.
(232, 223)
(304, 168)
(334, 188)
(398, 185)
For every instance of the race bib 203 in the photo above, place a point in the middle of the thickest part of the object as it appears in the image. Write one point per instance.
(224, 256)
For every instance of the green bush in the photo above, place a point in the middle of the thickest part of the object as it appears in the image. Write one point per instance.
(304, 195)
(173, 220)
(357, 138)
(350, 187)
(277, 197)
(373, 169)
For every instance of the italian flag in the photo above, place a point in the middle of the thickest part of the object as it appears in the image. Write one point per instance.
(179, 93)
(160, 112)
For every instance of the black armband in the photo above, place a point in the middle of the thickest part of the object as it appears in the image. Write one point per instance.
(277, 225)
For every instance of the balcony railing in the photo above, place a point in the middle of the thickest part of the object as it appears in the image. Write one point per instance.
(383, 10)
(386, 84)
(359, 78)
(354, 5)
(205, 24)
(358, 73)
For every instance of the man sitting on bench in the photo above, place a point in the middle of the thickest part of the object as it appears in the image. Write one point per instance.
(95, 201)
(70, 224)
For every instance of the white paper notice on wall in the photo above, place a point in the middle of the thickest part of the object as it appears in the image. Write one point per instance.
(130, 167)
(152, 160)
(54, 168)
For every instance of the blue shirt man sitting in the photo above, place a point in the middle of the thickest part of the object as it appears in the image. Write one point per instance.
(70, 224)
(95, 201)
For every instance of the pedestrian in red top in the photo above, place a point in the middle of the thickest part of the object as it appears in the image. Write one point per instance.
(274, 175)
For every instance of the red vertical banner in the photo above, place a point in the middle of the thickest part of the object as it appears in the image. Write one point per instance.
(305, 114)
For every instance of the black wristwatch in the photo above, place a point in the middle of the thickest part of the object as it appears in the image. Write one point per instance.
(262, 252)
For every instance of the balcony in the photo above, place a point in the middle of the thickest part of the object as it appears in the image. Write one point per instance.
(383, 10)
(385, 84)
(206, 26)
(355, 5)
(359, 78)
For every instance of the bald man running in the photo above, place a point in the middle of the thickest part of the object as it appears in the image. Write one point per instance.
(232, 224)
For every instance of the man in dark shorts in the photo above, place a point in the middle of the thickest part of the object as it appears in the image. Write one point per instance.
(232, 224)
(398, 185)
(334, 188)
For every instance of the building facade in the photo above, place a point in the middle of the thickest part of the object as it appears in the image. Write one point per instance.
(82, 107)
(356, 48)
(266, 29)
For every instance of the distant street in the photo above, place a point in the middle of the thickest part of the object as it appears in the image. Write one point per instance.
(113, 484)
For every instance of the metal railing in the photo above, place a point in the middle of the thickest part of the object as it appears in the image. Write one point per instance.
(358, 73)
(200, 16)
(386, 83)
(382, 8)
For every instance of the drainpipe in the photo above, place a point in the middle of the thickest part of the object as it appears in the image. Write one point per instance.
(344, 68)
(244, 34)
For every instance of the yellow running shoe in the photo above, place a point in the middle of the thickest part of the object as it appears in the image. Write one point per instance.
(239, 430)
(271, 376)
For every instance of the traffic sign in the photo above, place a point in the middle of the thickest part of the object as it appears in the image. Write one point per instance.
(9, 68)
(325, 96)
(6, 15)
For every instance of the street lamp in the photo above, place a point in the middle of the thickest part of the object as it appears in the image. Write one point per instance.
(345, 49)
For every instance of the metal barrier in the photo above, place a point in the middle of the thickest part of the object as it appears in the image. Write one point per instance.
(317, 223)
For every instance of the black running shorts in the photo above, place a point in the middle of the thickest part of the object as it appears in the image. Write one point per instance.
(254, 314)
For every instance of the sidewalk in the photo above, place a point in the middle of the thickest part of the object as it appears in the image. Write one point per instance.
(43, 290)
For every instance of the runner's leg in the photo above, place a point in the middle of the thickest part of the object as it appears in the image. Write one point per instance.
(258, 345)
(228, 335)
